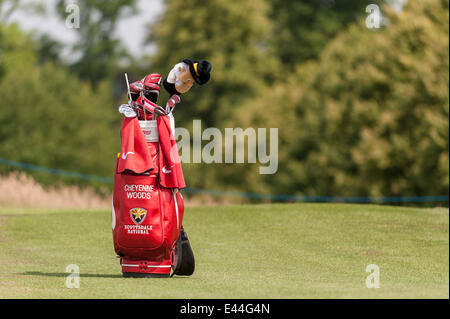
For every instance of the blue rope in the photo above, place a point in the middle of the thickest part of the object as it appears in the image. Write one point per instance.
(325, 199)
(55, 171)
(273, 197)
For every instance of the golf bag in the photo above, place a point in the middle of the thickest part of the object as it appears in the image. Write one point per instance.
(148, 209)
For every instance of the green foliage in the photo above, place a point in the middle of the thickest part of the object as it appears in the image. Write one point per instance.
(100, 51)
(371, 116)
(302, 28)
(49, 118)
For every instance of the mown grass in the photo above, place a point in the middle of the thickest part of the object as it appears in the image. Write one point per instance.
(247, 251)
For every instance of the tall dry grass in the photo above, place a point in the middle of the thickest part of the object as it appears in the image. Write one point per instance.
(22, 191)
(18, 190)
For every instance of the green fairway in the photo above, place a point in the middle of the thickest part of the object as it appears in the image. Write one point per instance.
(249, 251)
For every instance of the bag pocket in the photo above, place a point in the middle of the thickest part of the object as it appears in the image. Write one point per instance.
(140, 218)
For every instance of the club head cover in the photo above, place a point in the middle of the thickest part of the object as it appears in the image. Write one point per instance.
(136, 87)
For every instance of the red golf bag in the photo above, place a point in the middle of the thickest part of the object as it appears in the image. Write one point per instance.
(147, 210)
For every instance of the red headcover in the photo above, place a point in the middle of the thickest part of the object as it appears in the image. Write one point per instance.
(152, 81)
(136, 87)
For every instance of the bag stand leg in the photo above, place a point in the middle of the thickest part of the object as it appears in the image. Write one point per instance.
(182, 256)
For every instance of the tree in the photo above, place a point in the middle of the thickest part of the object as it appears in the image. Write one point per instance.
(50, 118)
(302, 28)
(371, 115)
(99, 50)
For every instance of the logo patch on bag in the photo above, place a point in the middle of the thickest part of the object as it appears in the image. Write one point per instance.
(138, 215)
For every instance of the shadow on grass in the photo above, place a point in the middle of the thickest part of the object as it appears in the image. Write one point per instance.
(64, 274)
